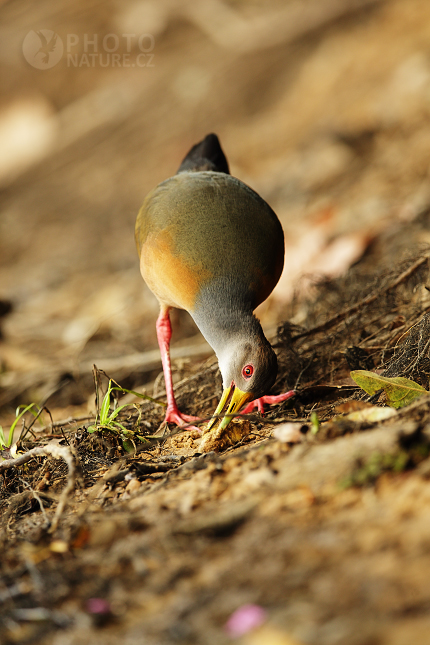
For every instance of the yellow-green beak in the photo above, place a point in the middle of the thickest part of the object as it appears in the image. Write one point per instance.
(231, 401)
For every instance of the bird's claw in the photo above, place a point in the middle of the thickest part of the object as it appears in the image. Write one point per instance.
(180, 419)
(268, 400)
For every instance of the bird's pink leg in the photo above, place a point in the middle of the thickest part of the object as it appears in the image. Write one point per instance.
(269, 400)
(164, 334)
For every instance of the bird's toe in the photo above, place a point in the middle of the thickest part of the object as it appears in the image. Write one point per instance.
(268, 400)
(174, 415)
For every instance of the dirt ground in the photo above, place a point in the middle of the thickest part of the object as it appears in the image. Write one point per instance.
(316, 533)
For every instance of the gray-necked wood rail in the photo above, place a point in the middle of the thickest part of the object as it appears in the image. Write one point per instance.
(210, 245)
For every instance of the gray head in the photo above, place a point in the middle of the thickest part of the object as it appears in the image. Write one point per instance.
(246, 359)
(248, 367)
(250, 364)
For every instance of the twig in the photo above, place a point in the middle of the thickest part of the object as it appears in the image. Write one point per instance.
(58, 452)
(409, 369)
(364, 302)
(29, 429)
(96, 377)
(115, 390)
(37, 498)
(380, 329)
(296, 384)
(95, 491)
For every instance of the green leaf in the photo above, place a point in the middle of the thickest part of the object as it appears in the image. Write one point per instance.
(128, 445)
(398, 390)
(143, 439)
(19, 414)
(104, 410)
(315, 423)
(2, 439)
(115, 412)
(114, 425)
(141, 396)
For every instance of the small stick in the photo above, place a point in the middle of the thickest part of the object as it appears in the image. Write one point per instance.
(58, 452)
(37, 498)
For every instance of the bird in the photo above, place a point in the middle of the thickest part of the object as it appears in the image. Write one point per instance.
(210, 245)
(47, 47)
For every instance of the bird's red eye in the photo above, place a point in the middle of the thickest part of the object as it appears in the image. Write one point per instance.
(248, 371)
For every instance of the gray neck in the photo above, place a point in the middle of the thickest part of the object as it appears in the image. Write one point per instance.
(224, 316)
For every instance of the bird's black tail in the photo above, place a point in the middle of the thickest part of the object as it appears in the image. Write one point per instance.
(205, 155)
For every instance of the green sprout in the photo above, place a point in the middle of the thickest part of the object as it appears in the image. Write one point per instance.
(315, 423)
(106, 419)
(19, 414)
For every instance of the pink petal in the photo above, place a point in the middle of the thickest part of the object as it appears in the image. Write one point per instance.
(244, 620)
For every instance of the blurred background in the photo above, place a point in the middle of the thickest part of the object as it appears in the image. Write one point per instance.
(322, 107)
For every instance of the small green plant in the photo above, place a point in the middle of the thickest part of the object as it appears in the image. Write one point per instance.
(19, 413)
(107, 419)
(315, 423)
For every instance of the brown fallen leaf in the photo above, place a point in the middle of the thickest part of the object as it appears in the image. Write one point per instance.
(351, 406)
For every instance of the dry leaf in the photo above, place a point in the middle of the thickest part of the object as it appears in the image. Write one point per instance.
(351, 406)
(372, 414)
(398, 390)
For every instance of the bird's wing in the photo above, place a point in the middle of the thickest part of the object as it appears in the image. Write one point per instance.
(52, 43)
(42, 38)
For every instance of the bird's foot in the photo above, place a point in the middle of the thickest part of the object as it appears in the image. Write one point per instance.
(173, 415)
(268, 400)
